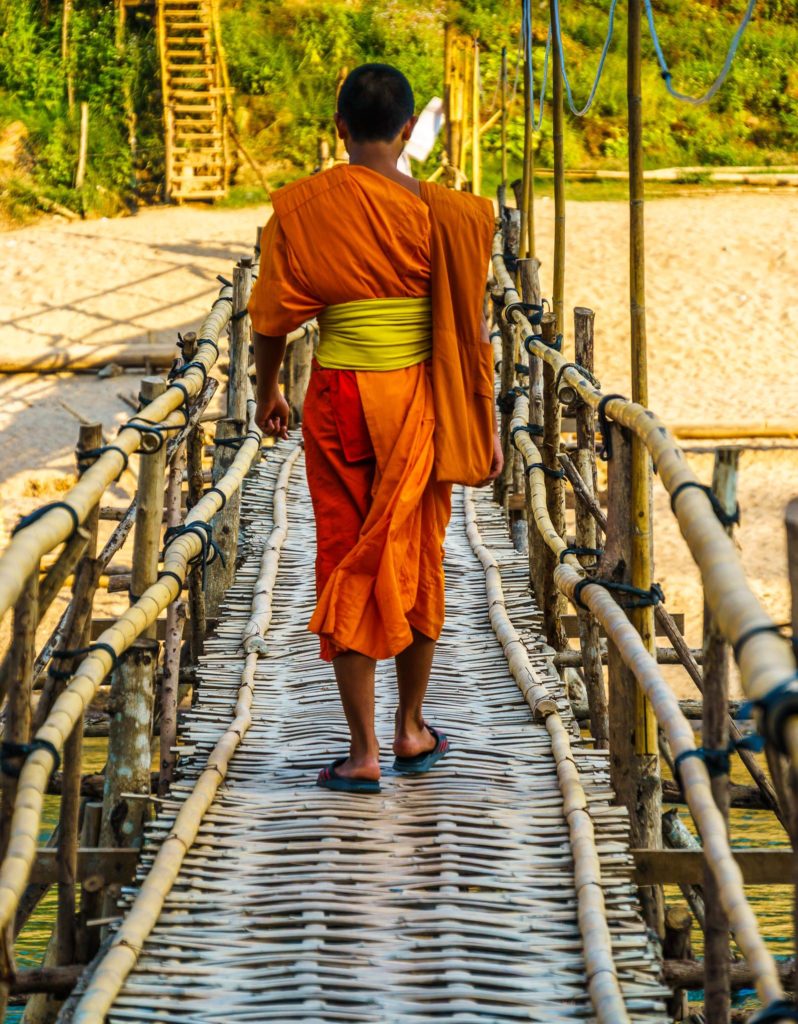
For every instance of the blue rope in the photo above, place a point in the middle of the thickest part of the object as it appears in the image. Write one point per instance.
(526, 39)
(697, 101)
(602, 59)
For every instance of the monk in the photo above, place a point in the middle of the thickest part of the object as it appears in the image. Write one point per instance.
(399, 406)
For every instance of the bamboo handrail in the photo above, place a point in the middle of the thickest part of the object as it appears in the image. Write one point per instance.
(27, 547)
(693, 771)
(766, 659)
(605, 992)
(109, 976)
(70, 706)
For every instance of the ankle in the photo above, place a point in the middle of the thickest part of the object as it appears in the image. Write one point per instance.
(409, 723)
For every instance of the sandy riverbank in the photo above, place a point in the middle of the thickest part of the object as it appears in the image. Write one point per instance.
(722, 325)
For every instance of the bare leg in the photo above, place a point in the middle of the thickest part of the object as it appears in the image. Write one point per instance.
(413, 666)
(354, 674)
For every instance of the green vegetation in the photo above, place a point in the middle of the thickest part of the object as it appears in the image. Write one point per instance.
(284, 59)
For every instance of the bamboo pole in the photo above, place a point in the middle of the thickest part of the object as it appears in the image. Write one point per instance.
(476, 156)
(83, 146)
(676, 946)
(587, 535)
(17, 730)
(791, 525)
(196, 595)
(715, 736)
(558, 139)
(66, 15)
(529, 281)
(527, 205)
(465, 86)
(503, 192)
(90, 896)
(221, 571)
(448, 34)
(553, 603)
(677, 730)
(239, 341)
(110, 974)
(166, 100)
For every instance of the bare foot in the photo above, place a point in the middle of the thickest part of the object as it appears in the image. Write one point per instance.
(360, 768)
(414, 739)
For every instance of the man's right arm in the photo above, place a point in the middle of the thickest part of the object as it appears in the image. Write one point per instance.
(272, 411)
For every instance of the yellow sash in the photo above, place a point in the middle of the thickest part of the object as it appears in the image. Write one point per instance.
(375, 334)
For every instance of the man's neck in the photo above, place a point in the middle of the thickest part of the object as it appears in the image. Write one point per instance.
(383, 163)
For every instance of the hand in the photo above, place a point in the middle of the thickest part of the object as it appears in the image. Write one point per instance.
(272, 414)
(497, 463)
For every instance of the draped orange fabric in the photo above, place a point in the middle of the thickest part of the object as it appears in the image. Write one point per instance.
(382, 447)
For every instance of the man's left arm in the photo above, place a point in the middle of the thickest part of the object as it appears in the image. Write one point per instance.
(272, 411)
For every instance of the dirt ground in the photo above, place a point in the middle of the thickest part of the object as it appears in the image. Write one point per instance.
(722, 331)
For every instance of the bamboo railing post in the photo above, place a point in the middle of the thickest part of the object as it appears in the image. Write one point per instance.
(149, 508)
(88, 941)
(297, 373)
(239, 341)
(194, 446)
(791, 524)
(503, 186)
(83, 147)
(634, 768)
(175, 623)
(90, 439)
(503, 484)
(715, 736)
(558, 139)
(17, 730)
(554, 603)
(448, 34)
(221, 571)
(527, 206)
(129, 759)
(677, 946)
(476, 162)
(587, 534)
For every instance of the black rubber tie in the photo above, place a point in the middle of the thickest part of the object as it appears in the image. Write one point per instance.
(34, 517)
(645, 598)
(576, 550)
(717, 761)
(781, 1009)
(606, 439)
(725, 518)
(756, 630)
(175, 576)
(13, 751)
(554, 474)
(777, 705)
(582, 371)
(216, 490)
(208, 341)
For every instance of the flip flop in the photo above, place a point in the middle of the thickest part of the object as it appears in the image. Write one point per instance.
(423, 762)
(329, 778)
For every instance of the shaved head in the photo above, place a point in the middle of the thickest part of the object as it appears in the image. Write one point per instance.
(376, 101)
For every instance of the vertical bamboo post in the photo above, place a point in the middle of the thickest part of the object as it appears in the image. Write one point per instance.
(641, 555)
(168, 116)
(17, 730)
(791, 524)
(455, 106)
(554, 603)
(503, 192)
(677, 946)
(90, 896)
(149, 509)
(175, 622)
(340, 148)
(83, 147)
(301, 358)
(528, 186)
(448, 33)
(503, 483)
(476, 155)
(239, 341)
(65, 57)
(467, 68)
(634, 769)
(221, 571)
(89, 439)
(194, 445)
(715, 736)
(558, 129)
(587, 534)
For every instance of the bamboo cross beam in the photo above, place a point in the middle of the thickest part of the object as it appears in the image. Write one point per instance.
(766, 661)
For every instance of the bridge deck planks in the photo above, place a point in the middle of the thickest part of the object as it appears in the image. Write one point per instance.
(447, 897)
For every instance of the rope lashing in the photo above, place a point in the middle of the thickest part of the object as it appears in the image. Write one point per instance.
(510, 261)
(724, 518)
(209, 549)
(718, 760)
(605, 454)
(79, 652)
(554, 474)
(506, 402)
(237, 441)
(526, 308)
(576, 549)
(771, 627)
(216, 490)
(533, 429)
(781, 1009)
(776, 706)
(180, 371)
(240, 314)
(529, 339)
(645, 598)
(10, 752)
(87, 458)
(34, 517)
(209, 341)
(522, 369)
(175, 576)
(581, 370)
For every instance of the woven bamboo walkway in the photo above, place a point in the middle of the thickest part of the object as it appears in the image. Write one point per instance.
(447, 897)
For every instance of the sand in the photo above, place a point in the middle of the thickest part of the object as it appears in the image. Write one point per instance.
(722, 284)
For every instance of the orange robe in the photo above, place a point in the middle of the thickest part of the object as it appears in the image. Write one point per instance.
(380, 459)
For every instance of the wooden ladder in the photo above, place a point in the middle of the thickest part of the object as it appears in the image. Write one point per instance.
(195, 100)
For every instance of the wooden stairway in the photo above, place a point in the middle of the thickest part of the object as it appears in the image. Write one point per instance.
(194, 96)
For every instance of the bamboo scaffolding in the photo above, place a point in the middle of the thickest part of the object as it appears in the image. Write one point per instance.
(605, 992)
(679, 733)
(109, 977)
(27, 547)
(766, 659)
(71, 705)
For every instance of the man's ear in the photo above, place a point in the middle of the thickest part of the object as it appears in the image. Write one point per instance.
(340, 124)
(407, 131)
